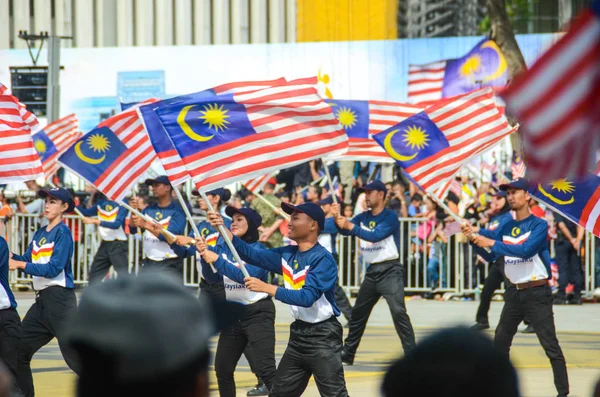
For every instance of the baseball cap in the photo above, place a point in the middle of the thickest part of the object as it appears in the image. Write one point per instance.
(61, 194)
(215, 192)
(149, 325)
(159, 179)
(313, 210)
(249, 213)
(329, 200)
(519, 183)
(499, 193)
(375, 185)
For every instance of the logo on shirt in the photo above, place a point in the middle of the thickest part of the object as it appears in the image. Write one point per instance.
(295, 263)
(372, 224)
(158, 216)
(42, 241)
(109, 207)
(515, 231)
(293, 280)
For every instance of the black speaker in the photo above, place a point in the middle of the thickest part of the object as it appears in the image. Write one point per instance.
(30, 85)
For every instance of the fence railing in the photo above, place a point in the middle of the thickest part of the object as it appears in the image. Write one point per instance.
(457, 267)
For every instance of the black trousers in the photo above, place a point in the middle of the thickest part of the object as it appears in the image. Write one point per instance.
(492, 283)
(45, 320)
(174, 265)
(536, 305)
(256, 331)
(216, 291)
(382, 279)
(110, 253)
(343, 302)
(569, 268)
(10, 337)
(313, 349)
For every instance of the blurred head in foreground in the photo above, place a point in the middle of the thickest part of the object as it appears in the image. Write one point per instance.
(145, 336)
(452, 362)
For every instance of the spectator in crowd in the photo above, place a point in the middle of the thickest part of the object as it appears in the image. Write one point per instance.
(568, 246)
(416, 204)
(453, 362)
(155, 310)
(437, 240)
(535, 209)
(397, 199)
(348, 211)
(270, 235)
(36, 206)
(313, 194)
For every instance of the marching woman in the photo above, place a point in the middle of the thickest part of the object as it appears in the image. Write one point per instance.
(256, 329)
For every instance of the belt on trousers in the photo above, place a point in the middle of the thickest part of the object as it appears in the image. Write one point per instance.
(531, 284)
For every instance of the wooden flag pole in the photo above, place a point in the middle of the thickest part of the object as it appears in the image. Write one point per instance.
(226, 237)
(278, 211)
(78, 213)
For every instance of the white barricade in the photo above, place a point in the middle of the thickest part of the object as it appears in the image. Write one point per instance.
(457, 267)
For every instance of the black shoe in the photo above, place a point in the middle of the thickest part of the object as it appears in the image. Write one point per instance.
(528, 330)
(480, 326)
(559, 301)
(259, 390)
(347, 358)
(575, 301)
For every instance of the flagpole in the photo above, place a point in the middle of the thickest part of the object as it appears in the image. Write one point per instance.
(78, 213)
(226, 238)
(333, 194)
(164, 232)
(450, 212)
(187, 212)
(278, 211)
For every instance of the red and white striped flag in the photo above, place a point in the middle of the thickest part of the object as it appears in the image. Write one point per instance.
(432, 145)
(517, 167)
(165, 150)
(29, 118)
(257, 184)
(53, 140)
(19, 161)
(122, 153)
(274, 128)
(557, 103)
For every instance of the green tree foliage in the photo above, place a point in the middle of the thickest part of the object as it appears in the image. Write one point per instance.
(519, 13)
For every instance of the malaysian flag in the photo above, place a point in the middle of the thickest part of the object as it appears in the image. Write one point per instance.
(113, 156)
(229, 138)
(362, 119)
(577, 200)
(255, 185)
(165, 150)
(432, 145)
(54, 140)
(19, 161)
(28, 117)
(557, 103)
(483, 66)
(517, 167)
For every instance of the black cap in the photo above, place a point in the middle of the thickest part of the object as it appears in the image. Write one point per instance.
(329, 200)
(61, 194)
(149, 325)
(159, 179)
(519, 183)
(375, 185)
(215, 192)
(313, 210)
(249, 213)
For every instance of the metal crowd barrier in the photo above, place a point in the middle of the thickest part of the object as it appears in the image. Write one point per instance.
(459, 270)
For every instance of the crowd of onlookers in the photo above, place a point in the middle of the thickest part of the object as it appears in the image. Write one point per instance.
(428, 234)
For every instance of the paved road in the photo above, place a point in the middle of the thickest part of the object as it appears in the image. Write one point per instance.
(578, 327)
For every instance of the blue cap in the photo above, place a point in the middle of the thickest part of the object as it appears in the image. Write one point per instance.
(215, 192)
(251, 215)
(61, 194)
(375, 185)
(311, 209)
(519, 183)
(499, 193)
(159, 179)
(329, 200)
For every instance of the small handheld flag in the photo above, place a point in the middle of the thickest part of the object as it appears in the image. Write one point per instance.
(52, 141)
